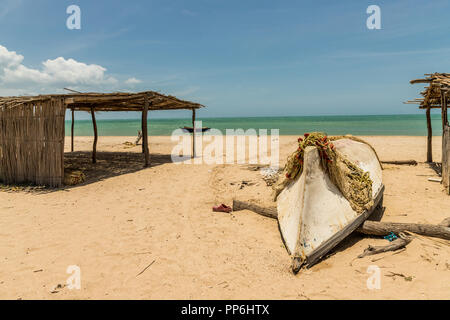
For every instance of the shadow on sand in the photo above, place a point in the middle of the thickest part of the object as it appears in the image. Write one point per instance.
(108, 165)
(437, 167)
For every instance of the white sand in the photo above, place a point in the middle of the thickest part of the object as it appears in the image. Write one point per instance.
(113, 228)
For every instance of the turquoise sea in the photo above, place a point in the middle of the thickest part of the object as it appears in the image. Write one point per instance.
(408, 125)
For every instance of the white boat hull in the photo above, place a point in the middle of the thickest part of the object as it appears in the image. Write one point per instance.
(313, 214)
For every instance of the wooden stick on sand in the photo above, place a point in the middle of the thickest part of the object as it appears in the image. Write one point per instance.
(401, 162)
(398, 243)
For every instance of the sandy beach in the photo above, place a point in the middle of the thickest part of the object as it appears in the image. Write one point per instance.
(125, 218)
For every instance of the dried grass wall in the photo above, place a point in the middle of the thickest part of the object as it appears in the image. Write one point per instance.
(32, 143)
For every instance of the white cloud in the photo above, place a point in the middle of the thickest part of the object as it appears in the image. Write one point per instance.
(133, 81)
(22, 74)
(53, 75)
(74, 72)
(9, 58)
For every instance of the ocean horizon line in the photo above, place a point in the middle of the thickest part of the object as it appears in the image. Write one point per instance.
(366, 125)
(250, 117)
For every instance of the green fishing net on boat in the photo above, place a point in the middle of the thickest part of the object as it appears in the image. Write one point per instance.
(354, 183)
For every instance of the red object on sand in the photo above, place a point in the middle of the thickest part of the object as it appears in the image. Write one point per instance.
(222, 208)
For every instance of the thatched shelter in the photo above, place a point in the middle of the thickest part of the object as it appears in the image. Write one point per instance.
(32, 129)
(436, 96)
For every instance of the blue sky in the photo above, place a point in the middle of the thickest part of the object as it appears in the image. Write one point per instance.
(239, 58)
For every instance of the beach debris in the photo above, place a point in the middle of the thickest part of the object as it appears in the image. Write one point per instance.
(394, 274)
(242, 184)
(270, 175)
(151, 263)
(22, 188)
(58, 288)
(128, 144)
(222, 208)
(223, 284)
(440, 230)
(401, 162)
(139, 138)
(245, 183)
(256, 167)
(396, 244)
(270, 212)
(301, 294)
(435, 180)
(382, 257)
(390, 237)
(73, 177)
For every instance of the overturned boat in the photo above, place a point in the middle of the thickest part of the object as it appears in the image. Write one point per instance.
(331, 186)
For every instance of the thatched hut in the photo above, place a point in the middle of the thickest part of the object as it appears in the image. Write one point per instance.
(32, 130)
(436, 96)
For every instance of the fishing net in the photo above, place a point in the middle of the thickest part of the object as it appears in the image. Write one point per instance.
(354, 183)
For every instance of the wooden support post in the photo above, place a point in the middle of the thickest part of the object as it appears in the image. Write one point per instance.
(444, 109)
(145, 131)
(193, 134)
(143, 121)
(94, 149)
(430, 136)
(445, 168)
(72, 129)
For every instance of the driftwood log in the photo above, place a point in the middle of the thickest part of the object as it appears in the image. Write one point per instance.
(384, 228)
(270, 212)
(401, 162)
(398, 243)
(441, 230)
